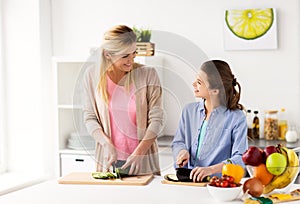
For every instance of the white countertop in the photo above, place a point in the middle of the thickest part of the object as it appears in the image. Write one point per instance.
(51, 192)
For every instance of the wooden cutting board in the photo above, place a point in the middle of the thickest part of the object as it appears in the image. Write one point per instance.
(86, 178)
(201, 184)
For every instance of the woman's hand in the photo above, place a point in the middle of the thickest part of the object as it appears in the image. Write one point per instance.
(110, 154)
(135, 162)
(199, 173)
(182, 158)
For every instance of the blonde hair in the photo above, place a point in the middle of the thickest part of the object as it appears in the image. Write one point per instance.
(115, 41)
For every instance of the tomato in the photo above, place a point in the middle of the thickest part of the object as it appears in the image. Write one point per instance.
(233, 185)
(230, 179)
(213, 179)
(218, 183)
(224, 184)
(234, 170)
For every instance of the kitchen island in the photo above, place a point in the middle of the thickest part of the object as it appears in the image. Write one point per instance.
(51, 192)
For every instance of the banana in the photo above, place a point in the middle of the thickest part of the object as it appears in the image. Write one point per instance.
(293, 168)
(288, 175)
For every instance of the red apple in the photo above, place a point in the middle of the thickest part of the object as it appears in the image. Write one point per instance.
(269, 150)
(253, 156)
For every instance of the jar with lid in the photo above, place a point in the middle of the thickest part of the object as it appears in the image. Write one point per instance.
(271, 125)
(291, 134)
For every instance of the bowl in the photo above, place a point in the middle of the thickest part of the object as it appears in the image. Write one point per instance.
(225, 194)
(286, 182)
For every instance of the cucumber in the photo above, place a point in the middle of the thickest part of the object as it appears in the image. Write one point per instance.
(123, 172)
(104, 175)
(109, 175)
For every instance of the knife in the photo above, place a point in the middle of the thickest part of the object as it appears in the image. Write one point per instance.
(114, 167)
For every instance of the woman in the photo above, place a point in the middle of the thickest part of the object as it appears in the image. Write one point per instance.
(122, 106)
(213, 130)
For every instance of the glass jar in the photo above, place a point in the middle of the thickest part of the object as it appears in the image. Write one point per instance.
(282, 125)
(271, 125)
(255, 125)
(291, 134)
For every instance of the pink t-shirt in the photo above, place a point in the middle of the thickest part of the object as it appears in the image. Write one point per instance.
(122, 112)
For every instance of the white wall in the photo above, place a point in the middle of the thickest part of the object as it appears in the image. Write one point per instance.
(27, 62)
(270, 79)
(3, 144)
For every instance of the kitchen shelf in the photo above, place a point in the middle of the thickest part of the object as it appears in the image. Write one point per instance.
(262, 143)
(74, 151)
(67, 73)
(66, 106)
(165, 140)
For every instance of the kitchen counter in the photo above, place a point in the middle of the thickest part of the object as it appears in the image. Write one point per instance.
(50, 192)
(262, 143)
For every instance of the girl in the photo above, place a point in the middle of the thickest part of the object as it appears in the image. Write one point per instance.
(213, 130)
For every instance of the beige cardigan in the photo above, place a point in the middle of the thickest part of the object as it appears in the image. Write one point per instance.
(149, 113)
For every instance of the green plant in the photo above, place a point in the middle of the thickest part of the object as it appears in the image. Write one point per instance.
(142, 35)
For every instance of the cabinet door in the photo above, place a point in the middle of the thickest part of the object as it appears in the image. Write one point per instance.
(76, 163)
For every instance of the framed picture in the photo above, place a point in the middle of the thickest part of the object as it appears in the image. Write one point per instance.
(250, 29)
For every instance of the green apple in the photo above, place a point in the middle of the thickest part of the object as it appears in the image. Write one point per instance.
(276, 163)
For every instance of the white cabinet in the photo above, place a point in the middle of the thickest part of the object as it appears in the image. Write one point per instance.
(73, 161)
(68, 114)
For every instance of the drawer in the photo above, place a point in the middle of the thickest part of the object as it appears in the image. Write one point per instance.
(76, 163)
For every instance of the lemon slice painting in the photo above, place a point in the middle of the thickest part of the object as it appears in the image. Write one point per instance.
(249, 24)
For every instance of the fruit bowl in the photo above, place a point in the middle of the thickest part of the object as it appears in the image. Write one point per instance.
(276, 167)
(279, 183)
(224, 194)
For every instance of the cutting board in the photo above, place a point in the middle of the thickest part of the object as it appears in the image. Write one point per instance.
(201, 184)
(86, 178)
(278, 198)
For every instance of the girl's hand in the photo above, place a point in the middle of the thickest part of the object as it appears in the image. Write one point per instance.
(135, 163)
(110, 154)
(198, 173)
(182, 158)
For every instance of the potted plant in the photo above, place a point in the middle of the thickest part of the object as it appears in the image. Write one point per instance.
(143, 44)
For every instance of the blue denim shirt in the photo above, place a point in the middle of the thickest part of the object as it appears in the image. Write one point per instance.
(225, 137)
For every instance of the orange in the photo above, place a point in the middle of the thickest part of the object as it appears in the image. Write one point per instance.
(262, 174)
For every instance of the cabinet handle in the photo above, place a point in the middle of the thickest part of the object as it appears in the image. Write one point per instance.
(79, 160)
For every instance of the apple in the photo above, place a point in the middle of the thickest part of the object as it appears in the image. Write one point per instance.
(276, 163)
(253, 156)
(269, 150)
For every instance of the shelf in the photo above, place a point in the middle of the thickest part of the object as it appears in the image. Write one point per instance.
(69, 106)
(74, 151)
(68, 73)
(165, 140)
(262, 143)
(62, 59)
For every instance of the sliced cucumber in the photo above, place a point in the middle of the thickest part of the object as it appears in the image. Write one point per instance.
(104, 175)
